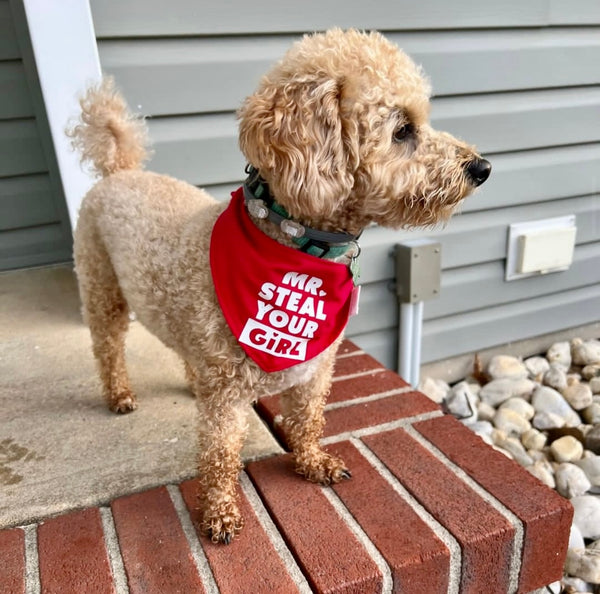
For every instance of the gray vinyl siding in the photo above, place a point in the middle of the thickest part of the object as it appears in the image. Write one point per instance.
(519, 79)
(34, 229)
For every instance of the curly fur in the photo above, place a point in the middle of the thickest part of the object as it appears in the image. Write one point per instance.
(320, 128)
(109, 138)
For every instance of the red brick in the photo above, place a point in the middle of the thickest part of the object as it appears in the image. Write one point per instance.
(343, 390)
(376, 412)
(416, 556)
(250, 563)
(72, 554)
(365, 385)
(331, 557)
(357, 363)
(12, 561)
(485, 536)
(156, 555)
(356, 416)
(347, 346)
(546, 515)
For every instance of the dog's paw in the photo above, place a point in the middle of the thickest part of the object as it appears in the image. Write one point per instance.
(222, 528)
(123, 403)
(322, 468)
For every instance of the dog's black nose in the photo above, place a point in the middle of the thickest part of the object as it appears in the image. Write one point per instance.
(479, 170)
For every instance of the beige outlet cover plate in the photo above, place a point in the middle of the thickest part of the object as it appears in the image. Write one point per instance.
(540, 247)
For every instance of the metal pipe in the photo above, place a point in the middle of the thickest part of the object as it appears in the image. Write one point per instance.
(406, 338)
(415, 368)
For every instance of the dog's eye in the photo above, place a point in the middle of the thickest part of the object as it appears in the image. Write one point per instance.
(402, 133)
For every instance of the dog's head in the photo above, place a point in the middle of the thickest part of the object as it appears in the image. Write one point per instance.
(339, 129)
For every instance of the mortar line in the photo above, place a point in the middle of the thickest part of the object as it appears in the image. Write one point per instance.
(357, 374)
(32, 560)
(390, 425)
(352, 354)
(113, 548)
(274, 535)
(513, 519)
(200, 559)
(370, 398)
(363, 538)
(455, 569)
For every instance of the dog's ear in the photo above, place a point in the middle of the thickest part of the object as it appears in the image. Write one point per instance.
(294, 135)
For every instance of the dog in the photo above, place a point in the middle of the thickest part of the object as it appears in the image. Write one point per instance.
(337, 138)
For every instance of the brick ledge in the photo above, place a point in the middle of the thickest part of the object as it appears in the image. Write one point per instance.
(430, 508)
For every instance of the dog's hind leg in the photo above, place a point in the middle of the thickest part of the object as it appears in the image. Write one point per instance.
(107, 314)
(190, 374)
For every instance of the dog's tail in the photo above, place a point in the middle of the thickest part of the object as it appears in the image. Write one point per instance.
(109, 137)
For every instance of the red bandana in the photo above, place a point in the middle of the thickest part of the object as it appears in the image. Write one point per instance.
(283, 306)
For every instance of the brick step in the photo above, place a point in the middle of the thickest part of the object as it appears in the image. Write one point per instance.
(430, 508)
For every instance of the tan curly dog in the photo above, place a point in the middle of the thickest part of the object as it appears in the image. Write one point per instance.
(338, 132)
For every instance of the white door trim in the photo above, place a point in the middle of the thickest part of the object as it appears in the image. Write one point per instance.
(66, 56)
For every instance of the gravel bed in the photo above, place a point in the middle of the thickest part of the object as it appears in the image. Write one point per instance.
(543, 412)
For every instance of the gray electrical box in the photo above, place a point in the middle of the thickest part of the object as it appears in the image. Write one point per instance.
(418, 270)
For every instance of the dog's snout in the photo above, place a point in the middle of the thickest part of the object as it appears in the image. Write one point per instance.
(479, 170)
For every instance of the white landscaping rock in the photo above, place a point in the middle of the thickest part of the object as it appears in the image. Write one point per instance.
(504, 366)
(540, 470)
(462, 403)
(595, 385)
(575, 539)
(560, 354)
(546, 399)
(537, 367)
(546, 420)
(571, 480)
(578, 395)
(435, 389)
(520, 406)
(594, 545)
(587, 515)
(536, 455)
(498, 435)
(566, 449)
(484, 429)
(591, 466)
(485, 412)
(498, 391)
(591, 414)
(591, 371)
(532, 439)
(585, 353)
(577, 584)
(584, 564)
(514, 447)
(511, 421)
(555, 377)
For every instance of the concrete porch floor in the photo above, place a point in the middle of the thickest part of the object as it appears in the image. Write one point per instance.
(94, 502)
(60, 447)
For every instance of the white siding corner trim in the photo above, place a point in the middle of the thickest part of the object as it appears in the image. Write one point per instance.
(66, 56)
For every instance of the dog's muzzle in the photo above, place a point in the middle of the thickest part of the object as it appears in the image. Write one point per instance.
(478, 171)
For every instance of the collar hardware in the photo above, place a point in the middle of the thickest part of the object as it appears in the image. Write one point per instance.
(322, 244)
(257, 208)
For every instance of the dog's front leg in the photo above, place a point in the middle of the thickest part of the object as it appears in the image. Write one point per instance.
(303, 421)
(223, 427)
